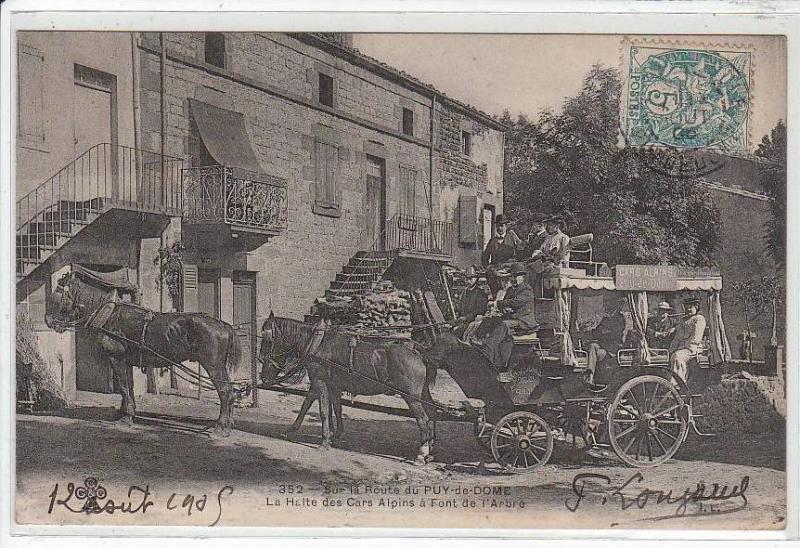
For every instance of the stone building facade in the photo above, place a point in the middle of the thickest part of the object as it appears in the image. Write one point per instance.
(274, 158)
(274, 81)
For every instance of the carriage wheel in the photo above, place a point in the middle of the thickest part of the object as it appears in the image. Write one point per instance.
(522, 442)
(646, 425)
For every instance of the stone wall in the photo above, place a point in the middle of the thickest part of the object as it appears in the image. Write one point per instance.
(271, 79)
(744, 405)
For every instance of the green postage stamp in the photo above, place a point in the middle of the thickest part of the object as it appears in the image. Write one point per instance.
(687, 98)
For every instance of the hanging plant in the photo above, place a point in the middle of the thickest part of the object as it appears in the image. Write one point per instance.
(170, 261)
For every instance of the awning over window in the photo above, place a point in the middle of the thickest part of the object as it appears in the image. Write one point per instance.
(225, 137)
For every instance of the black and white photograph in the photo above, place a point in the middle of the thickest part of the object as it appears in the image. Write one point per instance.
(410, 280)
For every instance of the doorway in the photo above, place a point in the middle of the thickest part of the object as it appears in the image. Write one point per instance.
(95, 123)
(487, 224)
(374, 232)
(244, 322)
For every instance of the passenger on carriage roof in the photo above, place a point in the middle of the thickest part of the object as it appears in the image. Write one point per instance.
(554, 249)
(502, 248)
(474, 300)
(688, 338)
(536, 237)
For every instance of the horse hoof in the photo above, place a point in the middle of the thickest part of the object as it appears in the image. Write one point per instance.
(220, 432)
(126, 421)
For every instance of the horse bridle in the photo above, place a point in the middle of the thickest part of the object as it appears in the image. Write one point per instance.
(81, 321)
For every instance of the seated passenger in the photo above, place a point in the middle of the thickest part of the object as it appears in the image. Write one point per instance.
(688, 339)
(555, 246)
(474, 301)
(607, 340)
(519, 302)
(661, 327)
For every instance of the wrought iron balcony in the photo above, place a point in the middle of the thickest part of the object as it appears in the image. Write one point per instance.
(240, 199)
(419, 235)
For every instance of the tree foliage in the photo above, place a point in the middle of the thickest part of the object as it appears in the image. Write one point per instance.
(772, 173)
(571, 163)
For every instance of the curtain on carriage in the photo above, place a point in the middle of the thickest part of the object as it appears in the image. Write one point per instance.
(720, 348)
(637, 304)
(563, 302)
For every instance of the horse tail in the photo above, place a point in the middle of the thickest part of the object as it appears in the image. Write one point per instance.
(233, 354)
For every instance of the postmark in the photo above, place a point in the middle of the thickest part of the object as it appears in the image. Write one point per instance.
(687, 98)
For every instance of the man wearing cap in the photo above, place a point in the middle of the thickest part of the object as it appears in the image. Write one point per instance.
(688, 337)
(519, 300)
(661, 327)
(503, 247)
(474, 302)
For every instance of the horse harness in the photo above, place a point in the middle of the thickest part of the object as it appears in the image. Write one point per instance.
(99, 319)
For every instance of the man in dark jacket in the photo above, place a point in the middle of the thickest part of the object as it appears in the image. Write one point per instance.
(502, 248)
(519, 301)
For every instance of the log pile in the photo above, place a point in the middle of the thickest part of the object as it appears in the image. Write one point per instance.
(382, 311)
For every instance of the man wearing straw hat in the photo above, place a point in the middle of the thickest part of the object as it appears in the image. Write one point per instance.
(661, 327)
(688, 337)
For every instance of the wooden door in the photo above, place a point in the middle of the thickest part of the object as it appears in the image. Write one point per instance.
(244, 321)
(208, 292)
(95, 172)
(375, 204)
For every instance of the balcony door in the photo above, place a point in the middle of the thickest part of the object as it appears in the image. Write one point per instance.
(375, 204)
(94, 105)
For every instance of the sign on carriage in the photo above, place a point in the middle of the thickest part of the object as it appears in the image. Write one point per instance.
(628, 277)
(279, 279)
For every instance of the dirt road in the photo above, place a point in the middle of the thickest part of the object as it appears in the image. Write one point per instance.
(160, 470)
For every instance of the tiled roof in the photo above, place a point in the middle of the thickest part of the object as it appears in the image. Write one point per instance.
(336, 47)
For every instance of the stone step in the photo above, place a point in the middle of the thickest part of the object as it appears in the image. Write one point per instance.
(363, 269)
(367, 277)
(333, 293)
(351, 285)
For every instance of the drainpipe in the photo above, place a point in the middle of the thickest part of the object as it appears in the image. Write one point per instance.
(430, 169)
(137, 123)
(163, 91)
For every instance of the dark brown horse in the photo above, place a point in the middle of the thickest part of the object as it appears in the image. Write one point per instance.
(340, 361)
(132, 336)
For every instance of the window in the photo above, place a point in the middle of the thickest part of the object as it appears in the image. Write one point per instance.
(215, 49)
(408, 191)
(30, 116)
(408, 121)
(326, 90)
(466, 143)
(326, 160)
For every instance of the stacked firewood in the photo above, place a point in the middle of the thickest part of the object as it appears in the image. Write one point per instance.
(384, 310)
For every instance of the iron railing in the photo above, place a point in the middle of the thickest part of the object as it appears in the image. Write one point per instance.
(406, 232)
(220, 194)
(105, 175)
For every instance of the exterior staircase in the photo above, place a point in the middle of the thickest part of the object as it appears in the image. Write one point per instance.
(358, 276)
(104, 177)
(53, 227)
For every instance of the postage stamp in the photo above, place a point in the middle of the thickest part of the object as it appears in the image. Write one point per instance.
(687, 98)
(328, 279)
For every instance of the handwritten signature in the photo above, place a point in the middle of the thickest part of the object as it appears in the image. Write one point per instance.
(90, 498)
(701, 499)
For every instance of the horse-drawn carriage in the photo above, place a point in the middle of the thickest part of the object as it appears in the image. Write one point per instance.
(635, 404)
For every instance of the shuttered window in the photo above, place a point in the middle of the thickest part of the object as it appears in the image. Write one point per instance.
(326, 158)
(189, 297)
(30, 116)
(408, 191)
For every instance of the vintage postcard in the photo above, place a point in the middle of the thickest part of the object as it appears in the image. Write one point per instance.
(506, 281)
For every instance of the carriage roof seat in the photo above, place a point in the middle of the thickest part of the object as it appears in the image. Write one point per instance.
(581, 243)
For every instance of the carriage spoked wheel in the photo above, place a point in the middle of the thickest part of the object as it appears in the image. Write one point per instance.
(521, 442)
(646, 424)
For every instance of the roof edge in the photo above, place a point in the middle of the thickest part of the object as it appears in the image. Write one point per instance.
(357, 58)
